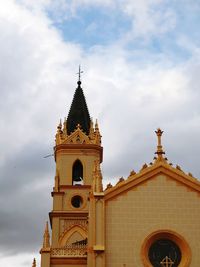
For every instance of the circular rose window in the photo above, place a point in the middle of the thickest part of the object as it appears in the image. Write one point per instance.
(165, 248)
(164, 252)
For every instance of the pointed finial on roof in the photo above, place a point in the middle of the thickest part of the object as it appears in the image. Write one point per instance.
(159, 151)
(91, 134)
(60, 125)
(79, 75)
(34, 263)
(97, 177)
(78, 126)
(96, 125)
(65, 126)
(46, 237)
(97, 134)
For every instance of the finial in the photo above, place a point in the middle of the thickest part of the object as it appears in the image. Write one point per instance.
(97, 134)
(109, 186)
(78, 126)
(159, 151)
(65, 126)
(91, 123)
(60, 124)
(91, 129)
(34, 263)
(79, 75)
(97, 176)
(46, 237)
(121, 179)
(132, 173)
(96, 125)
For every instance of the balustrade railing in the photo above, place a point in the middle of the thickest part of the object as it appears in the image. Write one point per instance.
(79, 250)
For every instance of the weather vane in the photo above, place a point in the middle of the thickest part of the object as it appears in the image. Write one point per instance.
(79, 73)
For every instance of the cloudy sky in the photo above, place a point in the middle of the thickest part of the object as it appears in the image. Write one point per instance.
(141, 63)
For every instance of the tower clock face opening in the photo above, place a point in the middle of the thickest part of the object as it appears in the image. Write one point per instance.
(77, 201)
(164, 252)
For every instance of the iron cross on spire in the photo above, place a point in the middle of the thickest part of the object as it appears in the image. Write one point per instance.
(79, 73)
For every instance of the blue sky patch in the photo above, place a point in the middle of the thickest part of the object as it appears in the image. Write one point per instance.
(94, 26)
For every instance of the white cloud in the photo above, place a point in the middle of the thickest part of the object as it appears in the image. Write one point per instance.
(149, 18)
(36, 5)
(33, 54)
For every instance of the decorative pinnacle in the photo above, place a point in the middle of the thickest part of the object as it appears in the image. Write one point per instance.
(97, 183)
(60, 125)
(159, 151)
(34, 263)
(96, 125)
(46, 237)
(79, 75)
(78, 126)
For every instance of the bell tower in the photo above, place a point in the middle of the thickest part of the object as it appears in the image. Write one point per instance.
(78, 154)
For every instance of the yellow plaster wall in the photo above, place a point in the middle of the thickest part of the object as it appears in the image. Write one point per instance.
(55, 232)
(76, 190)
(159, 204)
(57, 202)
(69, 265)
(45, 259)
(99, 223)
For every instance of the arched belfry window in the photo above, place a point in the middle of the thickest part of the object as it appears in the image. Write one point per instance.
(77, 173)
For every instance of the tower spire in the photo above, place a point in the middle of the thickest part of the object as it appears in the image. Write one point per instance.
(78, 113)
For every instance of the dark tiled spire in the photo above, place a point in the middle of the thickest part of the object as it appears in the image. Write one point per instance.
(78, 113)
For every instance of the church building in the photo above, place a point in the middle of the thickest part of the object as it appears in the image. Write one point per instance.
(149, 219)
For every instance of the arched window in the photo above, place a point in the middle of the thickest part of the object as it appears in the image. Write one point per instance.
(77, 173)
